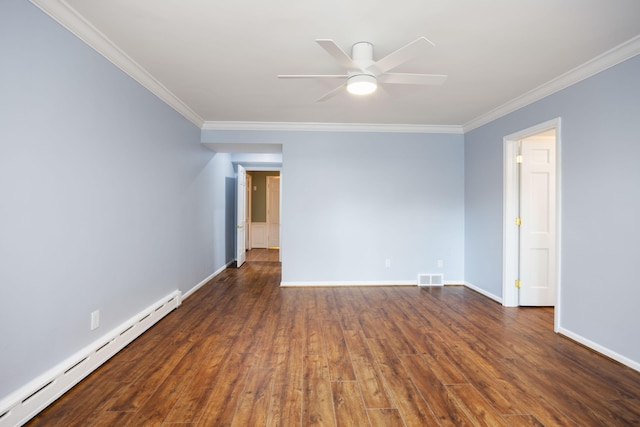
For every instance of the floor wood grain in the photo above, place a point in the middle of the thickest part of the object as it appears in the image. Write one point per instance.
(242, 351)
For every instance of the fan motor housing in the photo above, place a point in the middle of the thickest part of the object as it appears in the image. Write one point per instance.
(362, 54)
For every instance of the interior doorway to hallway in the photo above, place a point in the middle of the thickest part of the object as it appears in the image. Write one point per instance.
(263, 203)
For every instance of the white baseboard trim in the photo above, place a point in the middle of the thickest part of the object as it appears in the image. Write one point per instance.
(206, 280)
(600, 349)
(572, 335)
(454, 282)
(483, 292)
(332, 284)
(26, 402)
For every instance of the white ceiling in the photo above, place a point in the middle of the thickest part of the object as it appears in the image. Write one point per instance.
(217, 61)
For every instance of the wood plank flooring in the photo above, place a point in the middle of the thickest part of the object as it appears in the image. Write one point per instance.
(242, 351)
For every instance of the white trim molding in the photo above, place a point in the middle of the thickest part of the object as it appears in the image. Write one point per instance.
(331, 127)
(612, 57)
(633, 364)
(510, 191)
(206, 280)
(30, 399)
(483, 292)
(69, 18)
(333, 284)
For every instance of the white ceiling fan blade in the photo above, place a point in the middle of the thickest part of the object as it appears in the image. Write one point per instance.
(400, 56)
(313, 76)
(413, 79)
(331, 93)
(338, 54)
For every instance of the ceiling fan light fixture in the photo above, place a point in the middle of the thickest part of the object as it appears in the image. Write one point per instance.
(362, 84)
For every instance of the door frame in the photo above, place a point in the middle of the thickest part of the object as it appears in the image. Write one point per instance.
(511, 191)
(256, 168)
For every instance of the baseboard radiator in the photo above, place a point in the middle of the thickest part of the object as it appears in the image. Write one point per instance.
(25, 403)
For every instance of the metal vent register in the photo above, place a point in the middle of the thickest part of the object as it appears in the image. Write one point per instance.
(430, 279)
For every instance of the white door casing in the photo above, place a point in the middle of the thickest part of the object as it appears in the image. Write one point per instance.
(538, 228)
(510, 273)
(241, 216)
(273, 211)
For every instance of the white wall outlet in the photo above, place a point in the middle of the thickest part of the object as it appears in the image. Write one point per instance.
(440, 263)
(95, 319)
(387, 263)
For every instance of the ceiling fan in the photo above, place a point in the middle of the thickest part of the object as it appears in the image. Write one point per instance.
(363, 73)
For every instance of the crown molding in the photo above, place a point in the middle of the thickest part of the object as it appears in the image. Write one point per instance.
(612, 57)
(69, 18)
(330, 127)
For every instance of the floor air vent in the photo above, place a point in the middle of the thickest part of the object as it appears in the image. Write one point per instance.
(430, 280)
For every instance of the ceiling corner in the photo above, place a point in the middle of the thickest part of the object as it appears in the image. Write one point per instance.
(66, 16)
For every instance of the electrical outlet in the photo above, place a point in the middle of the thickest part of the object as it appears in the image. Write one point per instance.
(387, 263)
(95, 319)
(440, 263)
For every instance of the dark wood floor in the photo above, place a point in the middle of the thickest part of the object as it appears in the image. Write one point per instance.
(243, 351)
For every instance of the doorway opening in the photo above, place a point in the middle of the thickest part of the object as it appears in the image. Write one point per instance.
(262, 210)
(531, 220)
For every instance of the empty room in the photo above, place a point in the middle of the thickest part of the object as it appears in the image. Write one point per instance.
(319, 213)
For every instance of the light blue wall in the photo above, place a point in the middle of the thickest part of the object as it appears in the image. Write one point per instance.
(483, 210)
(352, 200)
(600, 198)
(107, 199)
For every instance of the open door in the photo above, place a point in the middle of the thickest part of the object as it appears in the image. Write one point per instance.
(538, 221)
(241, 221)
(531, 220)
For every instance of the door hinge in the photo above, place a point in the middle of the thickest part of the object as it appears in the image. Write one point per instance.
(518, 283)
(519, 158)
(518, 221)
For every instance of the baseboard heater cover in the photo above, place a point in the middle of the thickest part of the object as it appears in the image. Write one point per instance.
(431, 279)
(25, 403)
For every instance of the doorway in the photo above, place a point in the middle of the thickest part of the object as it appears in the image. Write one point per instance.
(531, 216)
(263, 208)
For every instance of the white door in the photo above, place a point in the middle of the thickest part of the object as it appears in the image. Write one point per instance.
(241, 222)
(273, 211)
(538, 221)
